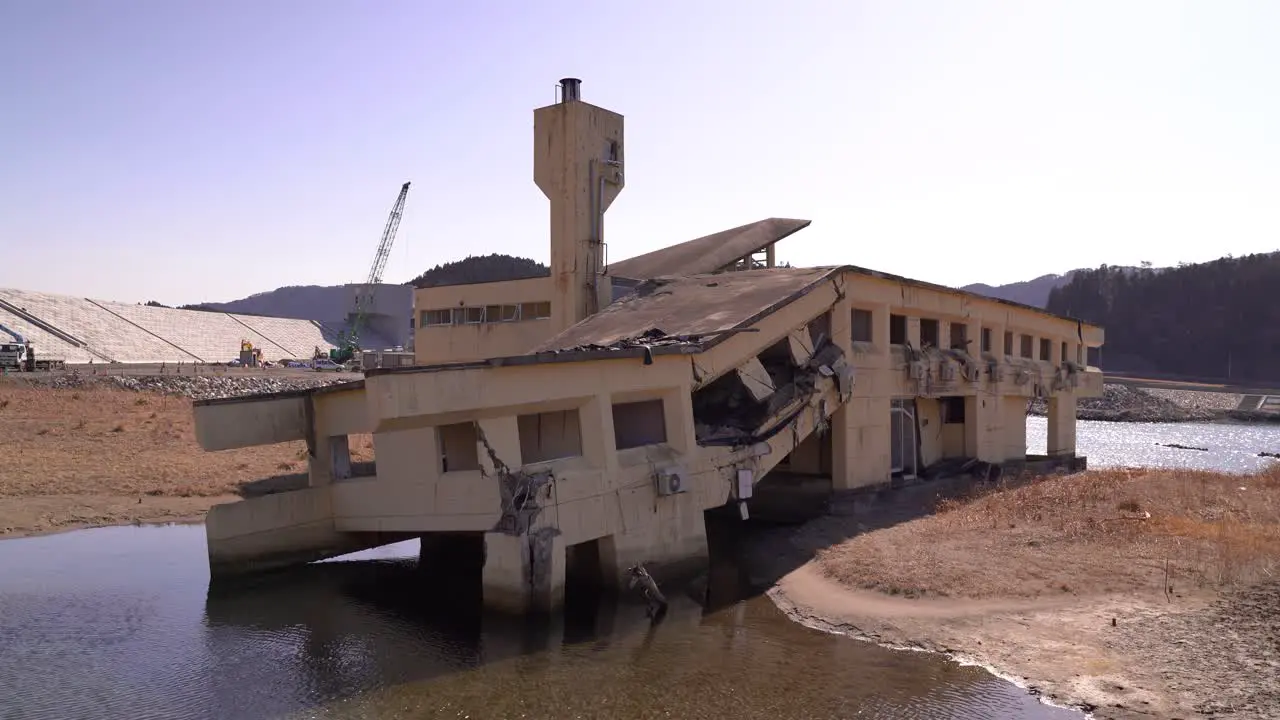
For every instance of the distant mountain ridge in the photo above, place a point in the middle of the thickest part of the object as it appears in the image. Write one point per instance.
(1034, 292)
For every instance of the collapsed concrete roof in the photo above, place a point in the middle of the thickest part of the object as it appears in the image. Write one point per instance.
(677, 310)
(707, 254)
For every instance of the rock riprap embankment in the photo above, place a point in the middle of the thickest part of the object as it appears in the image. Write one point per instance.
(196, 387)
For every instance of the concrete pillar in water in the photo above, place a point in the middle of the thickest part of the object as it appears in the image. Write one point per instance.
(672, 544)
(451, 554)
(329, 460)
(1062, 425)
(524, 573)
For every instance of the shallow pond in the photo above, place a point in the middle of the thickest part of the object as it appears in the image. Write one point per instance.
(119, 623)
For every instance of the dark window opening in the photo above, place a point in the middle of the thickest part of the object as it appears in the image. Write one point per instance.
(959, 336)
(636, 424)
(1064, 351)
(928, 332)
(1008, 343)
(861, 330)
(458, 447)
(820, 329)
(549, 436)
(897, 329)
(986, 340)
(952, 409)
(1046, 349)
(1025, 349)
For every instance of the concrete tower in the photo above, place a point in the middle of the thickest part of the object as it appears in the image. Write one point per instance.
(577, 163)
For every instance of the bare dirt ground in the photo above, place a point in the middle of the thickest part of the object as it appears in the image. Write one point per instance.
(99, 455)
(1133, 593)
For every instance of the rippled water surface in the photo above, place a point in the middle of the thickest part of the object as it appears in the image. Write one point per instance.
(119, 623)
(1231, 447)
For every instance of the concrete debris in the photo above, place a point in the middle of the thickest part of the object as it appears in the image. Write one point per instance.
(519, 492)
(728, 412)
(653, 597)
(195, 387)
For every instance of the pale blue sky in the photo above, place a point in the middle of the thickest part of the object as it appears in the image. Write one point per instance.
(186, 151)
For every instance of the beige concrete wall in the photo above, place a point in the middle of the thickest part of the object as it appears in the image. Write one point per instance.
(437, 344)
(225, 426)
(577, 163)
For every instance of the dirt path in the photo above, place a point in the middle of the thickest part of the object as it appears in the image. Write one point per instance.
(1136, 594)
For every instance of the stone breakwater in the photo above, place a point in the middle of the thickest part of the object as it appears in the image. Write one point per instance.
(1122, 403)
(195, 387)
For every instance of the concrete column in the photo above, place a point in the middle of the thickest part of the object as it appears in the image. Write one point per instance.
(330, 460)
(880, 327)
(501, 437)
(1014, 413)
(860, 451)
(677, 410)
(983, 427)
(670, 542)
(524, 573)
(598, 445)
(842, 325)
(1062, 425)
(451, 554)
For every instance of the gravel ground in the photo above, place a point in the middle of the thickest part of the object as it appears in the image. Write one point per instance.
(1197, 400)
(1125, 403)
(196, 387)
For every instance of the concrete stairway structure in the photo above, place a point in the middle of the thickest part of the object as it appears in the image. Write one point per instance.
(80, 330)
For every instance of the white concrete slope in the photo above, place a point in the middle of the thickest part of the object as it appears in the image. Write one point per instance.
(81, 330)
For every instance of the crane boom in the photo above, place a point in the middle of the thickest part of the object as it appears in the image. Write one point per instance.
(366, 294)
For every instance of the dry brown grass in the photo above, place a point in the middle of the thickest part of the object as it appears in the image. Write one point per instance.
(113, 443)
(1099, 531)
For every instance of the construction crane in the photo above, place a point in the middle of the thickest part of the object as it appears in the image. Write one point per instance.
(366, 294)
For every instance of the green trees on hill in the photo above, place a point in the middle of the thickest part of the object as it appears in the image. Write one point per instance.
(481, 268)
(1217, 319)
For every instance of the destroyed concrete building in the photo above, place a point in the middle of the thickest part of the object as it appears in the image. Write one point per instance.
(584, 422)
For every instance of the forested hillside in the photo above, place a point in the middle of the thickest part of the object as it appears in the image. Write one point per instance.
(1217, 319)
(481, 268)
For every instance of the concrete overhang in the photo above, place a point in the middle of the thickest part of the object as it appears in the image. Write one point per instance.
(268, 418)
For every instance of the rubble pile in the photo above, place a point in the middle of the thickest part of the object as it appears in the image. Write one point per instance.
(195, 387)
(1122, 403)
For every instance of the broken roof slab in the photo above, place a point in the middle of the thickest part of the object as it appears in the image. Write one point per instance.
(707, 254)
(697, 310)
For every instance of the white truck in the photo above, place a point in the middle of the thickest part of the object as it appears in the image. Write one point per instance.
(20, 356)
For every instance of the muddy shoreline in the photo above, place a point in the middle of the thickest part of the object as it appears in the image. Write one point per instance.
(1089, 626)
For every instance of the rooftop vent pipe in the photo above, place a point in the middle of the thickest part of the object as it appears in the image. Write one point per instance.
(570, 89)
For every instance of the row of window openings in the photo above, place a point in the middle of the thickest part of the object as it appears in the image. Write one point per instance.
(486, 314)
(930, 335)
(555, 435)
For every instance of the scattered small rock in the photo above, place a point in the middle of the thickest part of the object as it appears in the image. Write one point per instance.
(195, 387)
